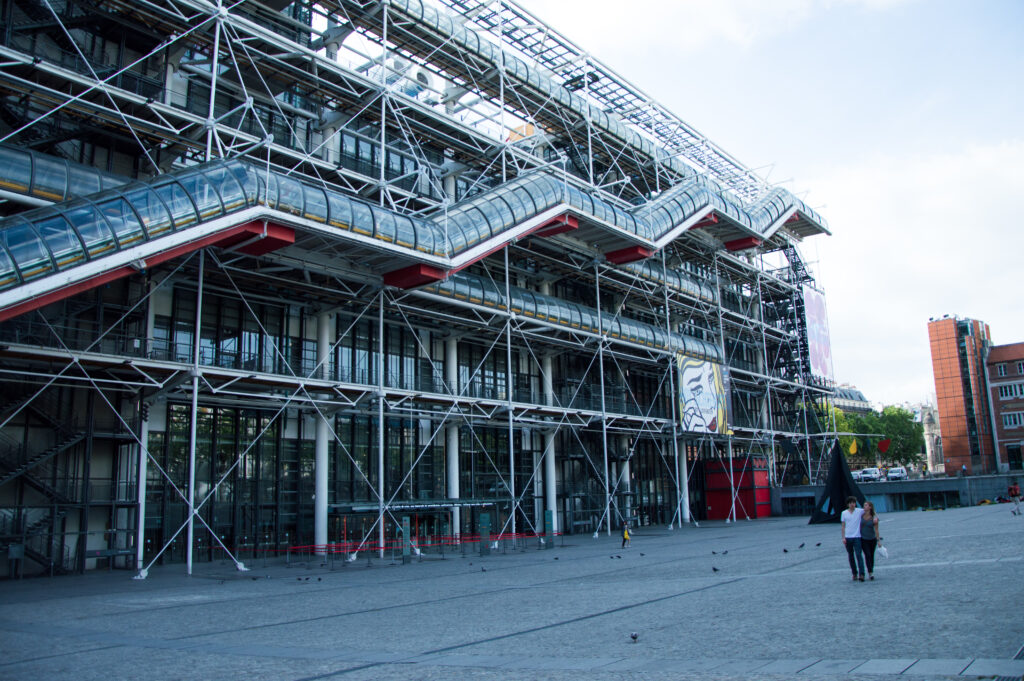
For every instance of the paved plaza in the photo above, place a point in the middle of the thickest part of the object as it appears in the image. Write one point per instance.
(946, 604)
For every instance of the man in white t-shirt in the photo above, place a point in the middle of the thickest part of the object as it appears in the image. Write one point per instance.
(851, 537)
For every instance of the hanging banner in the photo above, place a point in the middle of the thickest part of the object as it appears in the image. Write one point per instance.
(703, 395)
(820, 345)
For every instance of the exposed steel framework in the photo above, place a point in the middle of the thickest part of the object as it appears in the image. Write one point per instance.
(279, 274)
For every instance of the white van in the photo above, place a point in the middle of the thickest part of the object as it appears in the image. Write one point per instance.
(897, 473)
(870, 475)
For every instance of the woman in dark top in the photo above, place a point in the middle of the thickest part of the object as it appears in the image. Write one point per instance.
(869, 536)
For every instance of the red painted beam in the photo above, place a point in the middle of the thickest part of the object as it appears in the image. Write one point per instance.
(257, 238)
(563, 223)
(743, 244)
(630, 254)
(706, 221)
(413, 275)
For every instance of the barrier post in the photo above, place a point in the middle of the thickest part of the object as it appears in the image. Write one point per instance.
(406, 541)
(485, 534)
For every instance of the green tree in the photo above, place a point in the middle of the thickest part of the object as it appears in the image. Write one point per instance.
(895, 423)
(907, 435)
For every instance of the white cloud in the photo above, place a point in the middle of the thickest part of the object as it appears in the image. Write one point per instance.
(918, 237)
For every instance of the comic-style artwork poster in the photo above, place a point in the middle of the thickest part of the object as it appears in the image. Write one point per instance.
(703, 396)
(820, 345)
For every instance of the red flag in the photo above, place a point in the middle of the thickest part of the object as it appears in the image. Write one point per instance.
(883, 445)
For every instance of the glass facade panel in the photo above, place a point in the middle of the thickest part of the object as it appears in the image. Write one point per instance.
(61, 240)
(27, 249)
(49, 177)
(183, 213)
(340, 210)
(315, 203)
(82, 181)
(362, 218)
(151, 210)
(291, 197)
(226, 184)
(384, 224)
(93, 228)
(17, 175)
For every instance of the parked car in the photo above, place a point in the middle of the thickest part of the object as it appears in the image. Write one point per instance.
(870, 475)
(896, 473)
(856, 475)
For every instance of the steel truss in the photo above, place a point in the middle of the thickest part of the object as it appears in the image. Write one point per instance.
(284, 364)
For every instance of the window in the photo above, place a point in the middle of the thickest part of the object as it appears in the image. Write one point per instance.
(1000, 369)
(1011, 390)
(1013, 419)
(1020, 368)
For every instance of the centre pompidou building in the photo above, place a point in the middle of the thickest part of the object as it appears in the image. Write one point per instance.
(287, 274)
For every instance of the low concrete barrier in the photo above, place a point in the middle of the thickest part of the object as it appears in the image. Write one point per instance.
(906, 495)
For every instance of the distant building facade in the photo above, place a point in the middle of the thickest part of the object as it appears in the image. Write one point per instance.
(958, 349)
(1005, 368)
(851, 400)
(932, 440)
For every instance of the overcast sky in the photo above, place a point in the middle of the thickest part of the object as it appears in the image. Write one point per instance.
(902, 120)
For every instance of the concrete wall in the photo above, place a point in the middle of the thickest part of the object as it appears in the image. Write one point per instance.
(908, 494)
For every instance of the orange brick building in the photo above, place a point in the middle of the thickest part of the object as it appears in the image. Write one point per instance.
(958, 349)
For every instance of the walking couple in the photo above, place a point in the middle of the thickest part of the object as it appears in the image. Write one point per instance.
(860, 537)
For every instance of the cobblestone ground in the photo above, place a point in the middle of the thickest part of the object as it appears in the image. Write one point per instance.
(767, 599)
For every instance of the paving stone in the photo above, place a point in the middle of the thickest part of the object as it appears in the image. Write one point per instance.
(765, 614)
(831, 667)
(883, 666)
(987, 667)
(787, 666)
(947, 666)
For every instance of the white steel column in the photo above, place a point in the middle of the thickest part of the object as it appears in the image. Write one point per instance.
(682, 484)
(140, 529)
(550, 483)
(451, 369)
(604, 412)
(194, 415)
(509, 377)
(143, 467)
(684, 475)
(380, 425)
(214, 68)
(323, 352)
(732, 485)
(625, 484)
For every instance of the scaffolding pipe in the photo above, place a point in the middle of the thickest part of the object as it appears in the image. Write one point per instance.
(380, 425)
(323, 352)
(732, 486)
(604, 411)
(214, 68)
(508, 393)
(140, 529)
(383, 100)
(195, 414)
(451, 368)
(550, 483)
(682, 488)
